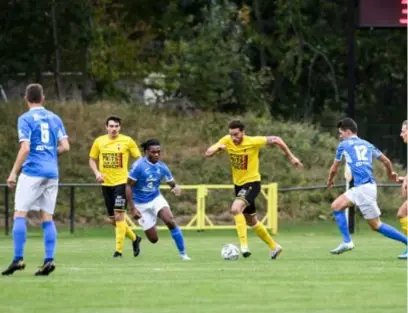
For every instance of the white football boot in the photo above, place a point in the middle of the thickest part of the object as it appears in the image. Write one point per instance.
(343, 247)
(275, 252)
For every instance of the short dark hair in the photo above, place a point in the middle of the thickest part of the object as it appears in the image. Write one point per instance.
(148, 143)
(114, 118)
(236, 124)
(348, 124)
(34, 93)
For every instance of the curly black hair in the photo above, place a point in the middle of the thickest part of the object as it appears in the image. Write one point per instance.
(148, 143)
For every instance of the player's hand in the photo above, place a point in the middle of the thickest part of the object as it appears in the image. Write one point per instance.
(176, 190)
(295, 161)
(393, 176)
(11, 180)
(136, 213)
(401, 179)
(99, 177)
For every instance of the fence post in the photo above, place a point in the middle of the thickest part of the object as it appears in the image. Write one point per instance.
(72, 206)
(6, 210)
(201, 209)
(204, 192)
(272, 208)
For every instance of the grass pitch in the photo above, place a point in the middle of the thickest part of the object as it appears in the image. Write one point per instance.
(305, 278)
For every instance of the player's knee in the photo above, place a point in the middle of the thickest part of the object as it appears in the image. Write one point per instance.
(153, 239)
(236, 209)
(402, 212)
(171, 224)
(45, 217)
(251, 220)
(20, 214)
(335, 206)
(374, 224)
(119, 216)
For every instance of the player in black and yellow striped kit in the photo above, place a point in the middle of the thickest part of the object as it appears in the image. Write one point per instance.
(108, 159)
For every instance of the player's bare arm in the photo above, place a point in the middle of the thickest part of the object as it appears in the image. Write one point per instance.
(404, 181)
(404, 187)
(93, 164)
(388, 166)
(21, 157)
(176, 189)
(63, 146)
(275, 140)
(214, 149)
(135, 212)
(332, 173)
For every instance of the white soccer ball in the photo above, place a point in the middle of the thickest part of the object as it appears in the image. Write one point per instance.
(230, 252)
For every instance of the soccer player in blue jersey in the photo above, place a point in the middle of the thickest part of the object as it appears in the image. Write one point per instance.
(42, 138)
(359, 155)
(144, 197)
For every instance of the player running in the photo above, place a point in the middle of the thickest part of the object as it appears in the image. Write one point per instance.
(108, 159)
(359, 155)
(402, 211)
(243, 152)
(42, 139)
(143, 195)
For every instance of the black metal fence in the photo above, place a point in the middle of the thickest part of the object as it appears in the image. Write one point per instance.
(72, 206)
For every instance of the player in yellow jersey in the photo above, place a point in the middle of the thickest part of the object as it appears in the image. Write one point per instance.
(108, 159)
(402, 211)
(243, 152)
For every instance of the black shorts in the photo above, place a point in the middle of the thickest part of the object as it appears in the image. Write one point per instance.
(115, 198)
(248, 192)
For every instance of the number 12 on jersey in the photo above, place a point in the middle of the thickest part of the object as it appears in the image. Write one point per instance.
(361, 152)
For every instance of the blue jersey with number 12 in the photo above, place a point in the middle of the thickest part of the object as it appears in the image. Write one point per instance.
(148, 177)
(359, 156)
(43, 130)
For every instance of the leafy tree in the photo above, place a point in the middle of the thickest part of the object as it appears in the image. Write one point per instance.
(206, 62)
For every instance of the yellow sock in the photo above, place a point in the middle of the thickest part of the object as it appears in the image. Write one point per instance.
(404, 224)
(240, 224)
(130, 233)
(120, 232)
(263, 233)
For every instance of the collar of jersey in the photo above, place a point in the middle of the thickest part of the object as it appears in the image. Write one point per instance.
(37, 108)
(145, 158)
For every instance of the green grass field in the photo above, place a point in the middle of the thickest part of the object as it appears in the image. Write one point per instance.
(306, 278)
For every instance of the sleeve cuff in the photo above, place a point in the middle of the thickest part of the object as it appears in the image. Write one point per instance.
(132, 178)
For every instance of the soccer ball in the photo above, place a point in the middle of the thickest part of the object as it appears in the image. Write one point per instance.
(230, 252)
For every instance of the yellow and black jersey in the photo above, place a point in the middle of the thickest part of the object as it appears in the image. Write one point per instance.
(244, 158)
(113, 156)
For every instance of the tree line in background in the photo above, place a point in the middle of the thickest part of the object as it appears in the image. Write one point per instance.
(286, 58)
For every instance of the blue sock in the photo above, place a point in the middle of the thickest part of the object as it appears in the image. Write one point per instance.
(50, 240)
(178, 239)
(19, 237)
(341, 220)
(391, 232)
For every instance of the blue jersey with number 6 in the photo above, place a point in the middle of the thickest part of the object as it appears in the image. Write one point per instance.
(43, 130)
(359, 156)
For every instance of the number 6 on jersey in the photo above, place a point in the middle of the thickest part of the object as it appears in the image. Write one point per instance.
(45, 132)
